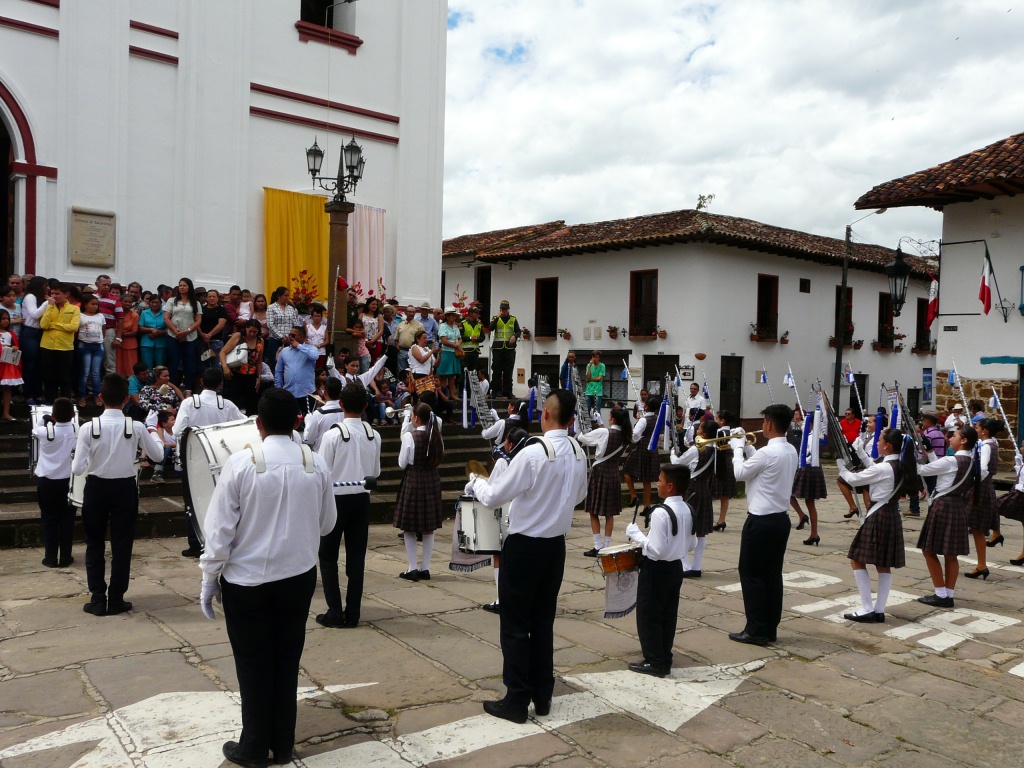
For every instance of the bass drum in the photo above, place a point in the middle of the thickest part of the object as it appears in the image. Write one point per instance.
(203, 451)
(76, 493)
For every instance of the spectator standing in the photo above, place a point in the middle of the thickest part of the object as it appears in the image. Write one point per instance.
(242, 384)
(281, 317)
(428, 322)
(33, 305)
(182, 315)
(595, 374)
(211, 329)
(406, 332)
(128, 350)
(10, 373)
(316, 333)
(152, 334)
(374, 330)
(390, 323)
(296, 369)
(113, 322)
(565, 374)
(850, 425)
(259, 312)
(90, 349)
(232, 307)
(7, 301)
(60, 323)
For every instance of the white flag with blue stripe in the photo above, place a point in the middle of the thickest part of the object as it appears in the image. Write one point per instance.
(764, 377)
(789, 381)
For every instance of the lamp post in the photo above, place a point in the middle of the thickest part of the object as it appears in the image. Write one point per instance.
(898, 272)
(350, 170)
(841, 320)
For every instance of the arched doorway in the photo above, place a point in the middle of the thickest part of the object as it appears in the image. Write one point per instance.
(6, 203)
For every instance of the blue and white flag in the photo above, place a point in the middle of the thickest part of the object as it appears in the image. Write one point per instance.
(993, 402)
(789, 381)
(704, 391)
(850, 377)
(625, 374)
(952, 376)
(764, 378)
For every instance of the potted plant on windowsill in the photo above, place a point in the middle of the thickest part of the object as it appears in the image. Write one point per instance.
(784, 338)
(761, 333)
(613, 331)
(526, 334)
(858, 343)
(921, 349)
(564, 333)
(662, 333)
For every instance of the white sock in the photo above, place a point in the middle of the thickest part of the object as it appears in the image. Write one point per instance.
(884, 583)
(940, 591)
(496, 582)
(607, 541)
(410, 551)
(864, 587)
(949, 593)
(428, 550)
(598, 541)
(698, 553)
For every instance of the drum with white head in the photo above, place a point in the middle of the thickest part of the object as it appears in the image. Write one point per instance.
(37, 418)
(483, 529)
(76, 493)
(203, 452)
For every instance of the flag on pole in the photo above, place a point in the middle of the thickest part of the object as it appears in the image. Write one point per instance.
(988, 277)
(933, 304)
(850, 377)
(952, 376)
(993, 402)
(764, 378)
(789, 381)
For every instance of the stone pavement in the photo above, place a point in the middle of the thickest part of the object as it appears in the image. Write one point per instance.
(156, 687)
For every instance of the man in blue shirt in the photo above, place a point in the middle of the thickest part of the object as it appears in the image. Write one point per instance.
(296, 365)
(428, 322)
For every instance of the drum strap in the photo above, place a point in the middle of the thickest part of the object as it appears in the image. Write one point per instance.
(261, 462)
(197, 403)
(346, 435)
(129, 430)
(549, 448)
(671, 516)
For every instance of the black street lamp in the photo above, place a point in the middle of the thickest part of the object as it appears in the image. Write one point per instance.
(898, 272)
(350, 169)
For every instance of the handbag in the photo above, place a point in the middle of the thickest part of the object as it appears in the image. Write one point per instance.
(237, 357)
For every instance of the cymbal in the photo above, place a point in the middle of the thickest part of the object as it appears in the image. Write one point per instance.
(474, 467)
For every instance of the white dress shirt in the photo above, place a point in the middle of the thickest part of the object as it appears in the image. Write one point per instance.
(768, 473)
(352, 460)
(698, 401)
(598, 439)
(659, 543)
(54, 461)
(321, 420)
(986, 456)
(543, 493)
(266, 526)
(638, 428)
(359, 378)
(942, 468)
(208, 412)
(496, 431)
(881, 477)
(687, 459)
(112, 455)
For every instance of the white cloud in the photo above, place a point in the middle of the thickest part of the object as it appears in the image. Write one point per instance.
(787, 111)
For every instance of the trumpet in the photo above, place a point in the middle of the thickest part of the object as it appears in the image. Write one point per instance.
(700, 441)
(389, 412)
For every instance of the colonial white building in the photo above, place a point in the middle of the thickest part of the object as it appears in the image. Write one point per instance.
(977, 194)
(160, 123)
(734, 297)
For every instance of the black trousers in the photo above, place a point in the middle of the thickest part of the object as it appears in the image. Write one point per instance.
(266, 625)
(114, 502)
(503, 363)
(762, 553)
(57, 518)
(531, 575)
(354, 526)
(58, 366)
(657, 608)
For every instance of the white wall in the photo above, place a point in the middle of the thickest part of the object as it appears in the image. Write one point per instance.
(707, 298)
(175, 152)
(1001, 223)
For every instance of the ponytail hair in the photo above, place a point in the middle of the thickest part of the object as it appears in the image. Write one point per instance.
(435, 447)
(907, 480)
(518, 437)
(970, 435)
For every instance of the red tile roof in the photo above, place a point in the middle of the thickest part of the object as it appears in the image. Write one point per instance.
(989, 172)
(685, 226)
(475, 245)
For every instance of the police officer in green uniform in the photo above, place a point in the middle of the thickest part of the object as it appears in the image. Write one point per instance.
(505, 331)
(472, 336)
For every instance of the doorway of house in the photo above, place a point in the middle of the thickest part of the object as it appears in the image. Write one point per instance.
(6, 204)
(730, 384)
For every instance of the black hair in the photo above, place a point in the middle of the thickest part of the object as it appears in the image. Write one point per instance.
(992, 426)
(234, 288)
(278, 409)
(301, 329)
(114, 390)
(63, 410)
(518, 437)
(678, 476)
(139, 367)
(780, 417)
(37, 287)
(6, 290)
(620, 418)
(333, 388)
(57, 285)
(435, 449)
(190, 297)
(729, 418)
(970, 434)
(212, 378)
(163, 417)
(565, 406)
(906, 473)
(709, 428)
(353, 397)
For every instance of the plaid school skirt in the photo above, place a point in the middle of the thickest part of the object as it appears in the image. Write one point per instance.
(418, 506)
(725, 479)
(945, 527)
(879, 541)
(700, 502)
(604, 489)
(983, 516)
(809, 483)
(1011, 505)
(642, 464)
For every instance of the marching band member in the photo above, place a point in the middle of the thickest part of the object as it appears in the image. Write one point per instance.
(981, 510)
(640, 406)
(945, 527)
(516, 417)
(642, 463)
(56, 444)
(725, 481)
(327, 415)
(1011, 504)
(768, 473)
(418, 506)
(604, 488)
(696, 404)
(661, 577)
(860, 446)
(543, 488)
(879, 541)
(350, 449)
(701, 465)
(809, 482)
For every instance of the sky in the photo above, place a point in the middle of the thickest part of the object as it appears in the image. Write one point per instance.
(786, 111)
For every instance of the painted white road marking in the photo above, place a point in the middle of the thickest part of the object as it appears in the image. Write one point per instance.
(1018, 670)
(846, 603)
(795, 580)
(956, 626)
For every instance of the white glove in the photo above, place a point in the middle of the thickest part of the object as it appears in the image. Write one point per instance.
(737, 432)
(211, 592)
(633, 532)
(841, 464)
(330, 362)
(494, 414)
(738, 443)
(469, 486)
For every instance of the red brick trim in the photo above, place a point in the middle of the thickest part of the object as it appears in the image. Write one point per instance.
(321, 124)
(21, 122)
(320, 34)
(24, 26)
(317, 101)
(145, 53)
(143, 27)
(51, 3)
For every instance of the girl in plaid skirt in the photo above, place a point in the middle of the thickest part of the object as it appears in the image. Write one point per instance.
(981, 511)
(879, 542)
(642, 463)
(418, 506)
(725, 481)
(701, 464)
(809, 481)
(604, 488)
(945, 528)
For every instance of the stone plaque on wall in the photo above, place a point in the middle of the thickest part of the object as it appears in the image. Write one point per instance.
(91, 238)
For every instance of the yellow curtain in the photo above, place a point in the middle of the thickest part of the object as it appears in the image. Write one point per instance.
(296, 236)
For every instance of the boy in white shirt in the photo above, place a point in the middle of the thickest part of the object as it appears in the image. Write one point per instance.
(55, 441)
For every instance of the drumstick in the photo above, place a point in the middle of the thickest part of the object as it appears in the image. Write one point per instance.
(367, 482)
(636, 511)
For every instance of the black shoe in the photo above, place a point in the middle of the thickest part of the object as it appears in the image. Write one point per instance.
(804, 519)
(589, 553)
(850, 514)
(191, 552)
(505, 711)
(492, 607)
(983, 573)
(49, 562)
(230, 751)
(879, 618)
(284, 758)
(331, 620)
(997, 540)
(633, 502)
(646, 668)
(424, 575)
(542, 708)
(96, 609)
(115, 607)
(936, 601)
(743, 637)
(815, 540)
(863, 618)
(410, 575)
(1017, 562)
(65, 563)
(692, 574)
(718, 527)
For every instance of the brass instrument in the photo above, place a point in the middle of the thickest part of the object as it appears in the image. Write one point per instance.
(474, 467)
(701, 441)
(389, 412)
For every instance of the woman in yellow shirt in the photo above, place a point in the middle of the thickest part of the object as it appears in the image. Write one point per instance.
(60, 321)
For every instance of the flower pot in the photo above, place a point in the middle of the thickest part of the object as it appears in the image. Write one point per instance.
(662, 334)
(613, 334)
(783, 341)
(566, 336)
(753, 337)
(526, 336)
(858, 346)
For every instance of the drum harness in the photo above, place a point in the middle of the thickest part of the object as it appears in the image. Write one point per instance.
(197, 403)
(261, 463)
(129, 430)
(549, 447)
(346, 435)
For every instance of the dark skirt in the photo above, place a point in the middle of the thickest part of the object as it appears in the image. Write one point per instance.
(809, 483)
(725, 479)
(945, 527)
(982, 515)
(701, 505)
(879, 541)
(604, 489)
(418, 506)
(642, 464)
(1011, 505)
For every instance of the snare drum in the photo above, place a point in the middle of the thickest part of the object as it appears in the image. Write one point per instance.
(36, 415)
(483, 529)
(203, 451)
(76, 493)
(621, 557)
